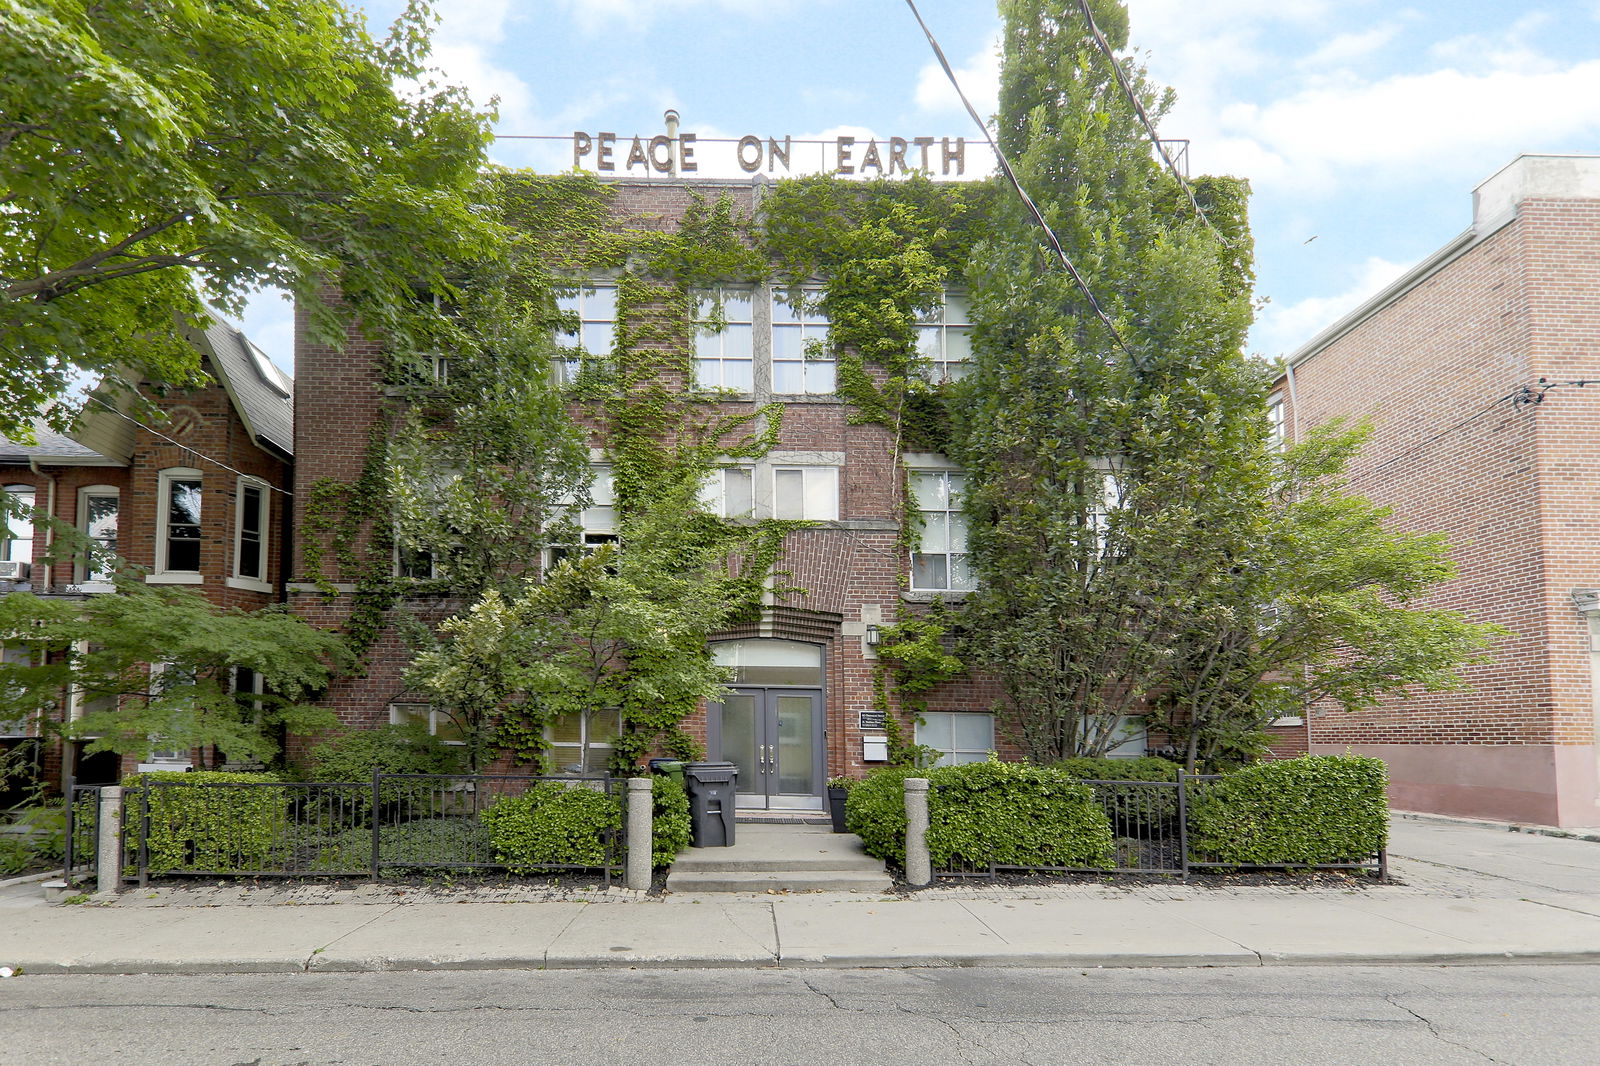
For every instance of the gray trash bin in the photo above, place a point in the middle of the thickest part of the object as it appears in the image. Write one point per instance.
(711, 803)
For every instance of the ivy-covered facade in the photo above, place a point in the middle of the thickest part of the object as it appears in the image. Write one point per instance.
(794, 339)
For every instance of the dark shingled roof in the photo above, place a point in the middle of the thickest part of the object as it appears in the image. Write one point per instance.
(53, 448)
(261, 393)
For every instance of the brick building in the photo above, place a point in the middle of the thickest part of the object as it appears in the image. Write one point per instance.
(1470, 369)
(197, 501)
(801, 709)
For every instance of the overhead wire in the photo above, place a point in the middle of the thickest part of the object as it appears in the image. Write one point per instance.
(1011, 176)
(191, 449)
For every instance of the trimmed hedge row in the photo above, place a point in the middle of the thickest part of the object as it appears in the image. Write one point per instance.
(218, 830)
(1315, 810)
(1311, 811)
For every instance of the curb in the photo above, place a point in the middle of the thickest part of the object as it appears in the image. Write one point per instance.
(1591, 835)
(27, 879)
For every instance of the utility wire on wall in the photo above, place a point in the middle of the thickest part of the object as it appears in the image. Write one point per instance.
(1011, 176)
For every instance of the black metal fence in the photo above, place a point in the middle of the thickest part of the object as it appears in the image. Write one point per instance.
(395, 824)
(82, 851)
(1150, 827)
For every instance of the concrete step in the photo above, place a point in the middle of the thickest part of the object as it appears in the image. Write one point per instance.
(716, 860)
(778, 882)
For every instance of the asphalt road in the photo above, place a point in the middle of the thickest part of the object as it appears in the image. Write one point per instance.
(1528, 1016)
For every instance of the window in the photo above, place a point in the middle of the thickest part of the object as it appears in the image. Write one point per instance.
(98, 508)
(729, 492)
(250, 532)
(593, 314)
(178, 523)
(1105, 497)
(1131, 739)
(439, 723)
(82, 701)
(959, 737)
(598, 521)
(15, 657)
(801, 362)
(164, 677)
(806, 492)
(581, 743)
(940, 562)
(1275, 423)
(725, 357)
(17, 544)
(944, 339)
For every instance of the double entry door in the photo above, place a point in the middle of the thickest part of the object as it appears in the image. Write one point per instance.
(774, 736)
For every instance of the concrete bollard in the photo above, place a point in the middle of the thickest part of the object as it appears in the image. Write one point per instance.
(108, 868)
(919, 867)
(641, 806)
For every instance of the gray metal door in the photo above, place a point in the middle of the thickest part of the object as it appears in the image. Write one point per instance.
(775, 737)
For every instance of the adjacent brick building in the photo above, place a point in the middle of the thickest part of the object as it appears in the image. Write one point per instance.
(1472, 370)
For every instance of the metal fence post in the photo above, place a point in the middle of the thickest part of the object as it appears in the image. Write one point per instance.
(108, 880)
(919, 866)
(373, 814)
(1183, 822)
(641, 843)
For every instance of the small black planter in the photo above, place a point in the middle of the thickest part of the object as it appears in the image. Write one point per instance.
(836, 798)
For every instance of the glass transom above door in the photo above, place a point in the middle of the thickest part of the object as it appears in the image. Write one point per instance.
(770, 662)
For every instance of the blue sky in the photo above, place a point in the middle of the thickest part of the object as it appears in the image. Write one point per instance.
(1362, 124)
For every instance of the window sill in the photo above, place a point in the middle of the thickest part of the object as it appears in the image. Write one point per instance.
(91, 588)
(933, 595)
(807, 397)
(248, 584)
(174, 578)
(1287, 722)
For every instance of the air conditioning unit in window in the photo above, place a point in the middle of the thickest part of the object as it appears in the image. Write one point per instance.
(13, 571)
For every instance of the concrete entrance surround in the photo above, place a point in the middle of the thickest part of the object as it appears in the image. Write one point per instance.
(776, 857)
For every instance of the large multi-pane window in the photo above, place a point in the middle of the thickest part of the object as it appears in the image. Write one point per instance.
(438, 723)
(581, 743)
(944, 339)
(940, 562)
(724, 339)
(178, 519)
(729, 492)
(801, 361)
(806, 492)
(593, 310)
(1276, 433)
(98, 507)
(958, 736)
(16, 528)
(597, 522)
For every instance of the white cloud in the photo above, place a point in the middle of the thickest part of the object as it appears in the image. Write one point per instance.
(612, 16)
(979, 78)
(1349, 47)
(1281, 329)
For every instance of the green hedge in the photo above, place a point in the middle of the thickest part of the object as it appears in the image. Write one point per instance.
(1144, 768)
(1314, 810)
(1006, 813)
(194, 829)
(552, 825)
(1135, 812)
(670, 817)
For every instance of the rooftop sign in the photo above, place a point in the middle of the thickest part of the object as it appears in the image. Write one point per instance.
(669, 155)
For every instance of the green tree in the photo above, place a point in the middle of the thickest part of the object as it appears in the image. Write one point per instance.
(103, 647)
(154, 152)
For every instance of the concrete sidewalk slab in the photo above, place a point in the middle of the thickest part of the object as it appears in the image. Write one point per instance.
(713, 934)
(449, 936)
(1315, 930)
(1101, 933)
(840, 932)
(1520, 929)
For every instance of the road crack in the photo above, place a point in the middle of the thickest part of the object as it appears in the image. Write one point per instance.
(1433, 1028)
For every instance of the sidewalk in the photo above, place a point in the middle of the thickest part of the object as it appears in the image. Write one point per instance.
(1435, 917)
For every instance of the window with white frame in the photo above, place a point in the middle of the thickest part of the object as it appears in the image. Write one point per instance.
(597, 522)
(250, 531)
(1276, 435)
(98, 510)
(437, 722)
(82, 701)
(801, 361)
(806, 492)
(16, 545)
(1104, 490)
(164, 677)
(958, 736)
(16, 657)
(940, 562)
(581, 743)
(1131, 740)
(944, 339)
(729, 492)
(724, 339)
(178, 522)
(591, 311)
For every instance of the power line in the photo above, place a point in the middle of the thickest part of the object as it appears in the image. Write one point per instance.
(1144, 117)
(1517, 397)
(188, 448)
(1011, 176)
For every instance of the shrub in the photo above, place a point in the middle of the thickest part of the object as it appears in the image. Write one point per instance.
(875, 811)
(430, 844)
(1144, 768)
(390, 749)
(552, 825)
(15, 855)
(195, 828)
(1314, 810)
(669, 831)
(1134, 811)
(1012, 814)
